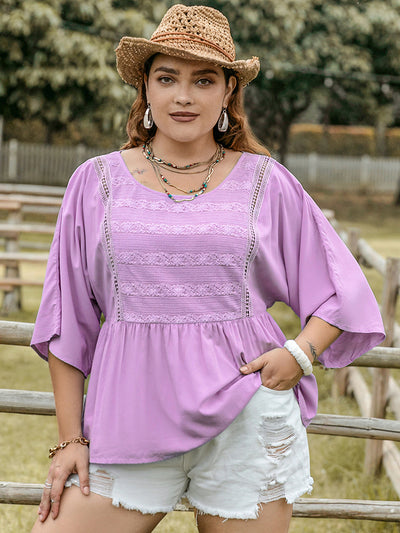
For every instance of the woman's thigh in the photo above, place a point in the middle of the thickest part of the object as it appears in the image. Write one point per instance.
(94, 513)
(274, 517)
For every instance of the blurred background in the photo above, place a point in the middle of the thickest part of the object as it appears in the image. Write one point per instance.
(329, 83)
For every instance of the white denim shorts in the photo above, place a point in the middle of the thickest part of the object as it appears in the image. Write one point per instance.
(260, 457)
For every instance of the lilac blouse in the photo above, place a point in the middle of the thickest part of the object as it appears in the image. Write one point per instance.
(184, 289)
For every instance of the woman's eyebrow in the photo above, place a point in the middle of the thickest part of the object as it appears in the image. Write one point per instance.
(201, 72)
(168, 70)
(204, 72)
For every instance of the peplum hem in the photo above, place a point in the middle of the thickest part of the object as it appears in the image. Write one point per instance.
(179, 385)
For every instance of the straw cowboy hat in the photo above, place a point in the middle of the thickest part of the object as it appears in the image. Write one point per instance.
(196, 32)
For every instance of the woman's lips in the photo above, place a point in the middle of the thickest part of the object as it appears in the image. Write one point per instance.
(183, 117)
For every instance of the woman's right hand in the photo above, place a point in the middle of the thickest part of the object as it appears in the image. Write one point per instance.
(73, 459)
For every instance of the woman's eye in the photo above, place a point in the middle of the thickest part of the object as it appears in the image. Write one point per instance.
(204, 82)
(165, 79)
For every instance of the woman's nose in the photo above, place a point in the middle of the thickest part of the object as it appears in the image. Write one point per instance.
(183, 96)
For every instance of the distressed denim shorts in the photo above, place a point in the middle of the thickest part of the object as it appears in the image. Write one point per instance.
(260, 457)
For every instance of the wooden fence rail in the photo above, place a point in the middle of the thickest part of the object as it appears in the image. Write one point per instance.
(30, 494)
(374, 429)
(32, 402)
(385, 390)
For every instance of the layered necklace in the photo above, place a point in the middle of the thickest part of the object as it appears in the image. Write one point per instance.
(160, 165)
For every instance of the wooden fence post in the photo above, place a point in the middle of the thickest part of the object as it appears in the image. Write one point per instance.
(341, 378)
(12, 297)
(312, 168)
(373, 451)
(12, 160)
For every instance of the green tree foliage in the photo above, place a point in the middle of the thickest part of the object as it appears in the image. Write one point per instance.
(297, 42)
(58, 63)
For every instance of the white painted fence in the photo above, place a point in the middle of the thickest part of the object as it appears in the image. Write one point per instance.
(40, 164)
(53, 165)
(353, 173)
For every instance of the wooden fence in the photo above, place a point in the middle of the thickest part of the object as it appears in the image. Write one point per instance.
(385, 391)
(42, 403)
(380, 433)
(43, 164)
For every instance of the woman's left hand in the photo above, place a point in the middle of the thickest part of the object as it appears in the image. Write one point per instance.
(279, 369)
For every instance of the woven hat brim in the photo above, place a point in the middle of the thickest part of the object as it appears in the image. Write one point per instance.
(133, 52)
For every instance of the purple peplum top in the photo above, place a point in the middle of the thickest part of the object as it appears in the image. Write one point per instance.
(184, 289)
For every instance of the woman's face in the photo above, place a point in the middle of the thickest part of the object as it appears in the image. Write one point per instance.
(186, 97)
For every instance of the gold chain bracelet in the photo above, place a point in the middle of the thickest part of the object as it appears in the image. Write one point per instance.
(79, 440)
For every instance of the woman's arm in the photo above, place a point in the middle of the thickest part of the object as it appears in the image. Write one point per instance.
(279, 369)
(68, 384)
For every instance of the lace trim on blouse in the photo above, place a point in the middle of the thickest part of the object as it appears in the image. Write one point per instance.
(184, 229)
(160, 205)
(178, 259)
(181, 319)
(180, 290)
(259, 184)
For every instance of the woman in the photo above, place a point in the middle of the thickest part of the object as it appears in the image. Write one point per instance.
(182, 240)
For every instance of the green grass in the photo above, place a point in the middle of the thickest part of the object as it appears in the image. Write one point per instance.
(336, 462)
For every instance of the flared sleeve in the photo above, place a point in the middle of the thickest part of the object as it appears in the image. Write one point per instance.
(68, 320)
(306, 265)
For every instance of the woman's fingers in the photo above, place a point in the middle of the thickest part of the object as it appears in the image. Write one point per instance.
(254, 366)
(44, 506)
(57, 489)
(83, 473)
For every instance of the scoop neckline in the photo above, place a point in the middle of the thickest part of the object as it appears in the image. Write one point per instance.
(207, 194)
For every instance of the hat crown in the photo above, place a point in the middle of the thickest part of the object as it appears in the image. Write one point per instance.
(199, 24)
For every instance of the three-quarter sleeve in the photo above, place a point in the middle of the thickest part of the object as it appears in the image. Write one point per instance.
(68, 320)
(310, 269)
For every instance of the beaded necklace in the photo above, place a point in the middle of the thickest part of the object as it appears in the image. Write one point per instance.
(179, 169)
(157, 162)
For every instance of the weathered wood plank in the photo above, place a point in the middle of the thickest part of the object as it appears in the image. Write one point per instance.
(16, 333)
(379, 357)
(26, 199)
(372, 257)
(353, 426)
(391, 455)
(9, 283)
(347, 509)
(12, 257)
(9, 205)
(27, 402)
(380, 382)
(40, 190)
(386, 511)
(33, 402)
(15, 229)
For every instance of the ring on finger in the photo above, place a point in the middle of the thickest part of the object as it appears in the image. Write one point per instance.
(48, 485)
(52, 501)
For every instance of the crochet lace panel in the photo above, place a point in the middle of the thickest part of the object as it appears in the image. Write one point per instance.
(169, 266)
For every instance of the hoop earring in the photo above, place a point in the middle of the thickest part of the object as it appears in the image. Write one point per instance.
(223, 121)
(148, 121)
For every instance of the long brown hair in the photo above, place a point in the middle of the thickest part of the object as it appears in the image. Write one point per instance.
(239, 136)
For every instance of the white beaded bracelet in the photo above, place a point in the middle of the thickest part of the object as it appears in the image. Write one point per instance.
(305, 363)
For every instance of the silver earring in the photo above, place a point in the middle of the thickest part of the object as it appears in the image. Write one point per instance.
(148, 121)
(223, 121)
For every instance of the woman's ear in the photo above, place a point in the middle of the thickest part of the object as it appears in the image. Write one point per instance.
(230, 87)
